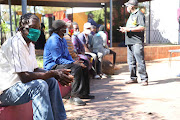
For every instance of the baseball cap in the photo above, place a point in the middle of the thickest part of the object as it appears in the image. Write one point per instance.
(68, 22)
(131, 2)
(58, 24)
(87, 25)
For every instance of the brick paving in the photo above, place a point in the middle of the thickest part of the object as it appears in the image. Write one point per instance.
(117, 101)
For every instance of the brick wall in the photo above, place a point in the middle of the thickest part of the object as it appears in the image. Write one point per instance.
(150, 52)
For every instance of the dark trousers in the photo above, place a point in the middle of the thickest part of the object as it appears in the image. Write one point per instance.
(114, 56)
(136, 54)
(80, 85)
(99, 63)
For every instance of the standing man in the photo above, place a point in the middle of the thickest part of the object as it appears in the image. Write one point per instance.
(22, 81)
(91, 20)
(134, 39)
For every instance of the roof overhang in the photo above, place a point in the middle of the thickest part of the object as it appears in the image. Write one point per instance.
(64, 3)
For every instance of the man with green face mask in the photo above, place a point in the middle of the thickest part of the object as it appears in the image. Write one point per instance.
(33, 34)
(22, 81)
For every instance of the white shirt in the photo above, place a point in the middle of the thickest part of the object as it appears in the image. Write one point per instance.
(15, 57)
(104, 36)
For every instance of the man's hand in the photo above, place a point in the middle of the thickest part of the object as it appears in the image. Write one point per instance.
(64, 76)
(124, 29)
(80, 62)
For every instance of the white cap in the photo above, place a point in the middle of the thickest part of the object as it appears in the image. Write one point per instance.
(87, 25)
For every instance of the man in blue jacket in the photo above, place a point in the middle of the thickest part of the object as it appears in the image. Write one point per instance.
(56, 56)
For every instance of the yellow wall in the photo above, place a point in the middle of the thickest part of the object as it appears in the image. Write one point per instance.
(80, 18)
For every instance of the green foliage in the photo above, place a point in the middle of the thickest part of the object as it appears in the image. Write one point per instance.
(40, 61)
(99, 15)
(4, 27)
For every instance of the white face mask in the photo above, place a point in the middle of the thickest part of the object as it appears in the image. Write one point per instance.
(76, 32)
(128, 10)
(87, 32)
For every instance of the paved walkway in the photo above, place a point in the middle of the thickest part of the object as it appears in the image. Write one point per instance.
(117, 101)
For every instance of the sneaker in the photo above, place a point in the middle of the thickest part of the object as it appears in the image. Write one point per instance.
(144, 83)
(97, 77)
(131, 82)
(87, 97)
(76, 101)
(103, 75)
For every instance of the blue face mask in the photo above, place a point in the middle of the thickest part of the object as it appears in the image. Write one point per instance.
(33, 34)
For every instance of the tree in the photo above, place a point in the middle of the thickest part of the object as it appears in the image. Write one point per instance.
(99, 15)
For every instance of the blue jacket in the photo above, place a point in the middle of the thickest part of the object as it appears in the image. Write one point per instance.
(56, 52)
(93, 23)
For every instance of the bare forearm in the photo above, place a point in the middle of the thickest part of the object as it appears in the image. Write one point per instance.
(137, 29)
(29, 76)
(39, 70)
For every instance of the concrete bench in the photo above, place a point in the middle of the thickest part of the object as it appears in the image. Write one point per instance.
(24, 111)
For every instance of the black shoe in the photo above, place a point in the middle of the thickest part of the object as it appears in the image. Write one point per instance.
(131, 82)
(87, 97)
(76, 101)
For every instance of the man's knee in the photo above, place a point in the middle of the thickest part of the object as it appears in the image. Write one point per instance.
(51, 81)
(77, 69)
(100, 55)
(41, 86)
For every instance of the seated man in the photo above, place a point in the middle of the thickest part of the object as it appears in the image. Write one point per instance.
(103, 48)
(72, 51)
(78, 46)
(56, 56)
(67, 37)
(22, 81)
(86, 40)
(42, 38)
(93, 30)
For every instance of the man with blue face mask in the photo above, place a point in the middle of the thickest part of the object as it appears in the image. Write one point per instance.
(22, 81)
(134, 39)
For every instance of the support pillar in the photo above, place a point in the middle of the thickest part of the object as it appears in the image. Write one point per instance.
(111, 9)
(105, 16)
(10, 16)
(149, 38)
(1, 26)
(24, 6)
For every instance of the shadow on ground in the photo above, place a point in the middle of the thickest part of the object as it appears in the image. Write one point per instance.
(110, 103)
(164, 81)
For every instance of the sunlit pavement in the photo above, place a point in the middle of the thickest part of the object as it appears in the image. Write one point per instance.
(117, 101)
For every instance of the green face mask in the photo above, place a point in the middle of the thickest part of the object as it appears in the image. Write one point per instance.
(34, 34)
